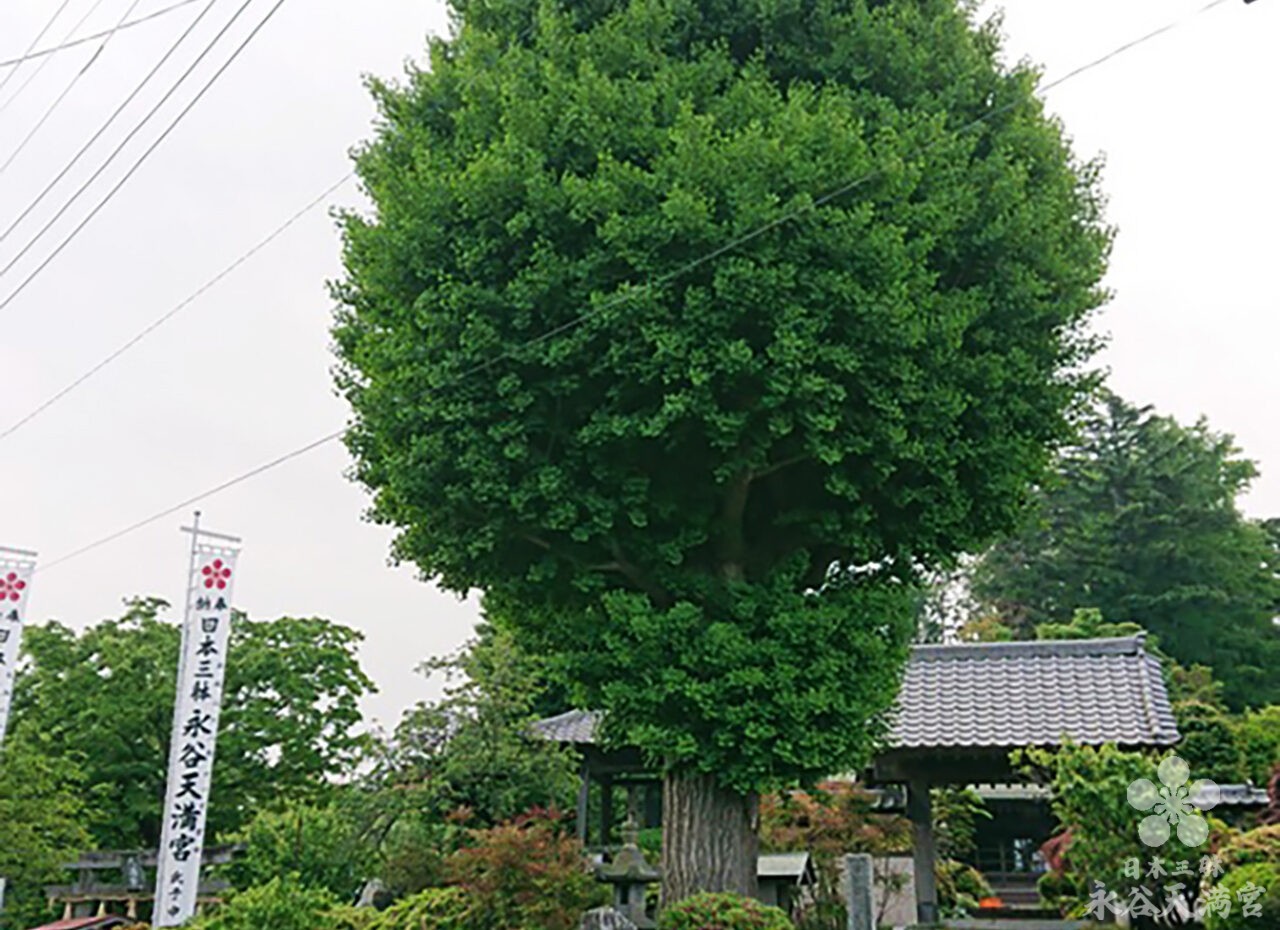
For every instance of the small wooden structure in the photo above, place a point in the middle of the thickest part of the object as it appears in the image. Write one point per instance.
(784, 878)
(960, 713)
(113, 880)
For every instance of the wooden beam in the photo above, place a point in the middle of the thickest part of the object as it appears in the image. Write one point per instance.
(584, 795)
(924, 852)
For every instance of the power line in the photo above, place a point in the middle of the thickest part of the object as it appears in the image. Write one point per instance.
(621, 296)
(34, 42)
(52, 108)
(136, 165)
(30, 55)
(196, 499)
(209, 47)
(107, 125)
(160, 321)
(36, 73)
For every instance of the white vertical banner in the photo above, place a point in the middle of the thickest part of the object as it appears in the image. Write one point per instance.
(16, 568)
(202, 668)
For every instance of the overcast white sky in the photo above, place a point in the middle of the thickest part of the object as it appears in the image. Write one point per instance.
(241, 376)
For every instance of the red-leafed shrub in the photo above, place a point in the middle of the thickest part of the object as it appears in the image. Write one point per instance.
(526, 875)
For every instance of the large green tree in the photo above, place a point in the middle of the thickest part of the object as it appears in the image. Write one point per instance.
(617, 359)
(44, 821)
(105, 699)
(1141, 523)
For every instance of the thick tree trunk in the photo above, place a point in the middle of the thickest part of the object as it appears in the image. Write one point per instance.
(710, 838)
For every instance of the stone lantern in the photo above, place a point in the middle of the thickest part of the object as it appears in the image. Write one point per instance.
(630, 874)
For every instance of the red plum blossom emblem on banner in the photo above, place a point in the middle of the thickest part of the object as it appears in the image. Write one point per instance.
(11, 587)
(216, 574)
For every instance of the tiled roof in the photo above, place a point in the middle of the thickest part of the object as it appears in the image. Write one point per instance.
(576, 726)
(1033, 694)
(1004, 695)
(85, 923)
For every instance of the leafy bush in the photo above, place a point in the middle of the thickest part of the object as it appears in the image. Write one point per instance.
(722, 912)
(1257, 846)
(525, 875)
(433, 909)
(320, 846)
(1261, 875)
(960, 887)
(1209, 743)
(1258, 733)
(280, 904)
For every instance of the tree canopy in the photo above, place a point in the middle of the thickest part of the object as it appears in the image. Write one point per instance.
(620, 357)
(1142, 524)
(44, 822)
(103, 699)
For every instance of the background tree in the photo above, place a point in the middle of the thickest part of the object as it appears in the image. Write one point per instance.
(1142, 524)
(652, 465)
(474, 750)
(105, 699)
(318, 847)
(44, 822)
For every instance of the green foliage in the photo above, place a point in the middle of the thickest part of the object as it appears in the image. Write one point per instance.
(1195, 684)
(432, 909)
(43, 823)
(956, 812)
(722, 912)
(1209, 743)
(551, 404)
(1142, 525)
(280, 904)
(1087, 623)
(1252, 847)
(473, 750)
(1258, 733)
(757, 700)
(960, 888)
(321, 847)
(1259, 876)
(525, 875)
(1090, 799)
(105, 698)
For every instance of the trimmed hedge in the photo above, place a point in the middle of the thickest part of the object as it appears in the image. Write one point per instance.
(722, 912)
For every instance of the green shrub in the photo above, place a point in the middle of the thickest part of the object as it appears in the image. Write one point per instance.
(280, 904)
(722, 912)
(1263, 875)
(433, 909)
(960, 887)
(1260, 845)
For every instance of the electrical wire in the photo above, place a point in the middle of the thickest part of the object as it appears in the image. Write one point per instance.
(160, 321)
(136, 165)
(27, 56)
(53, 107)
(107, 125)
(30, 55)
(620, 297)
(36, 73)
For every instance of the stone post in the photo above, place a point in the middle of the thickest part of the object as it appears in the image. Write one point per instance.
(859, 897)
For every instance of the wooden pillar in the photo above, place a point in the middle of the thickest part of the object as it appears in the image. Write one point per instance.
(584, 795)
(924, 855)
(606, 810)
